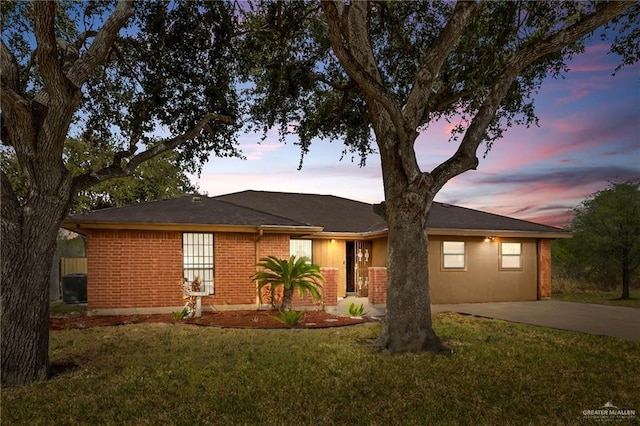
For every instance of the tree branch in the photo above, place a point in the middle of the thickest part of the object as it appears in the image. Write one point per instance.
(15, 108)
(366, 74)
(99, 48)
(117, 170)
(465, 157)
(47, 51)
(419, 95)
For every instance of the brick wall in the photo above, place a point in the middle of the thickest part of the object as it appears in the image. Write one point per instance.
(329, 291)
(544, 269)
(235, 263)
(235, 259)
(132, 269)
(377, 285)
(143, 269)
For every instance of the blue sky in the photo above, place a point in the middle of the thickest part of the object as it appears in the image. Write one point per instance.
(588, 136)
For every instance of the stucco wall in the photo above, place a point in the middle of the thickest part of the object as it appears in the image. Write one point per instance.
(482, 280)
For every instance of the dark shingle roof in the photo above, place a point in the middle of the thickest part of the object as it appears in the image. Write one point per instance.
(333, 214)
(186, 209)
(446, 216)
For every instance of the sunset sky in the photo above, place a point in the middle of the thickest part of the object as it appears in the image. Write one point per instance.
(588, 136)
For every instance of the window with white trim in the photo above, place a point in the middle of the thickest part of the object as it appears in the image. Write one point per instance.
(510, 256)
(453, 255)
(299, 248)
(197, 259)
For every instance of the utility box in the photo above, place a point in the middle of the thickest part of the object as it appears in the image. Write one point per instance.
(74, 288)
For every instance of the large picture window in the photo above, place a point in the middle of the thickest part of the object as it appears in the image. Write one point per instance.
(299, 248)
(453, 255)
(510, 256)
(197, 259)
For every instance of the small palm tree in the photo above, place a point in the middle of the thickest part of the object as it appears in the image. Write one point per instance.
(293, 273)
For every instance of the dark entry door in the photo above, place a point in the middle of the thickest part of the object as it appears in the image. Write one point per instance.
(351, 267)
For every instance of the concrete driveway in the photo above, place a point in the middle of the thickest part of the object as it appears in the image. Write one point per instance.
(582, 317)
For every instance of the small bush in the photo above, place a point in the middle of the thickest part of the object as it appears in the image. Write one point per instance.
(356, 311)
(289, 317)
(178, 315)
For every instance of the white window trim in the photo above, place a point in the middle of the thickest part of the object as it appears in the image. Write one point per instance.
(449, 255)
(307, 251)
(510, 256)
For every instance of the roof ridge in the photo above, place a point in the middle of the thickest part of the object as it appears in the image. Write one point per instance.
(295, 193)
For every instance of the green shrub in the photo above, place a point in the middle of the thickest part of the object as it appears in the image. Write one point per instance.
(356, 311)
(178, 315)
(289, 317)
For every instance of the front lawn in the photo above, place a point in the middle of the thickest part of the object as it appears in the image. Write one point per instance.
(501, 373)
(600, 298)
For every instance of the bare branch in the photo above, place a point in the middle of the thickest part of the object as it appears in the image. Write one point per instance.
(117, 170)
(465, 157)
(417, 99)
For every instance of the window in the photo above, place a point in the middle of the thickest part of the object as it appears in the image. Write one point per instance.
(197, 259)
(510, 256)
(299, 248)
(453, 255)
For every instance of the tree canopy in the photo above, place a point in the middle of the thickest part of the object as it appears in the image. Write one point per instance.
(133, 81)
(606, 236)
(384, 71)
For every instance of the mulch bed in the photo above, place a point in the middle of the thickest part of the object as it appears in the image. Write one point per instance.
(223, 319)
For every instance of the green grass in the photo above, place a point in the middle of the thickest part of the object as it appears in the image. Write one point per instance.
(161, 374)
(600, 298)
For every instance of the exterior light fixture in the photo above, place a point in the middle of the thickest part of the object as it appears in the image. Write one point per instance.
(489, 239)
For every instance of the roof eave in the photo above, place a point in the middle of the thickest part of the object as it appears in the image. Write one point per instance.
(82, 227)
(499, 233)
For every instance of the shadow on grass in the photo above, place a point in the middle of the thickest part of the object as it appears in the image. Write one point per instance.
(61, 368)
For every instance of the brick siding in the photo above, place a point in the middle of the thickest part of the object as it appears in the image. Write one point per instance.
(143, 269)
(131, 269)
(544, 269)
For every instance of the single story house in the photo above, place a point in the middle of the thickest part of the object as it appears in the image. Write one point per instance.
(139, 256)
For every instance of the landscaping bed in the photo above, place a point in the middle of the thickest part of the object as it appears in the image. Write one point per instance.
(224, 319)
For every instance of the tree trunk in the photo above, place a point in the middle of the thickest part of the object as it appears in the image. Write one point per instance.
(287, 298)
(28, 247)
(408, 326)
(626, 277)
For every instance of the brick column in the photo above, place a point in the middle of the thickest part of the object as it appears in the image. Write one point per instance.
(377, 285)
(544, 269)
(329, 290)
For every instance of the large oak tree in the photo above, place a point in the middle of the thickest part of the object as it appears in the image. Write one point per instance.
(365, 71)
(135, 79)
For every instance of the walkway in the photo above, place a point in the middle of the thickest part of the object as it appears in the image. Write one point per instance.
(605, 320)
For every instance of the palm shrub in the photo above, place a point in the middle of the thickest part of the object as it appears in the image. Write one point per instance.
(290, 273)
